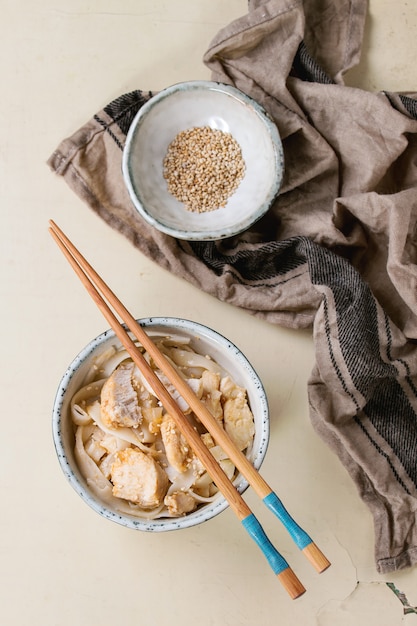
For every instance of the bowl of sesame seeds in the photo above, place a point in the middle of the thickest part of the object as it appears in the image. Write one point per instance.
(202, 161)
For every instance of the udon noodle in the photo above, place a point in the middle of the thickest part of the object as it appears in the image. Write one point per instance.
(128, 447)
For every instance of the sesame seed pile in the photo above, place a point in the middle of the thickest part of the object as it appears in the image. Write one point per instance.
(203, 167)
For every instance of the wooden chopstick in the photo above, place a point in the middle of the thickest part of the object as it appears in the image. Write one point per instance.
(87, 274)
(260, 486)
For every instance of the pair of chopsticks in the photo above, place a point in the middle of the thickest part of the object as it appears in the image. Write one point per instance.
(100, 292)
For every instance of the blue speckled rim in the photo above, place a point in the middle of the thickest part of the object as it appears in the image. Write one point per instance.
(201, 235)
(65, 457)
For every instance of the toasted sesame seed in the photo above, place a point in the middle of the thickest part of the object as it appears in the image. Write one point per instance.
(203, 167)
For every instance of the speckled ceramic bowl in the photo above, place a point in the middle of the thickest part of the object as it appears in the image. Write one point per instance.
(196, 104)
(205, 341)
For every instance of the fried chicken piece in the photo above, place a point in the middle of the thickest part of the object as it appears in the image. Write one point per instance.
(119, 400)
(176, 447)
(138, 478)
(237, 416)
(180, 503)
(211, 396)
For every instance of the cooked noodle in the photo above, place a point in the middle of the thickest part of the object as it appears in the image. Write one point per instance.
(128, 448)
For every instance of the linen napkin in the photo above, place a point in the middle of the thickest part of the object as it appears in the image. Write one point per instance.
(336, 252)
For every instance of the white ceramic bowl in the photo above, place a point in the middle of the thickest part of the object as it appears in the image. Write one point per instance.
(196, 104)
(206, 341)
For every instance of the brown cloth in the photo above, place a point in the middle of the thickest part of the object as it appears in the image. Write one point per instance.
(337, 251)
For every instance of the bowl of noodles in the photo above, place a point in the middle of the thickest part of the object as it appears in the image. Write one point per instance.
(122, 452)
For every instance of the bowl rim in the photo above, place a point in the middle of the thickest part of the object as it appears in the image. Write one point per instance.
(163, 524)
(202, 234)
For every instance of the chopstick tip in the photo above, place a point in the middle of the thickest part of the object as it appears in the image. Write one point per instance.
(316, 557)
(291, 583)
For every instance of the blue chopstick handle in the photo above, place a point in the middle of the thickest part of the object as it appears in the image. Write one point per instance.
(299, 536)
(255, 530)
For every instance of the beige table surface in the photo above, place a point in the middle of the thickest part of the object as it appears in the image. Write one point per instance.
(61, 564)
